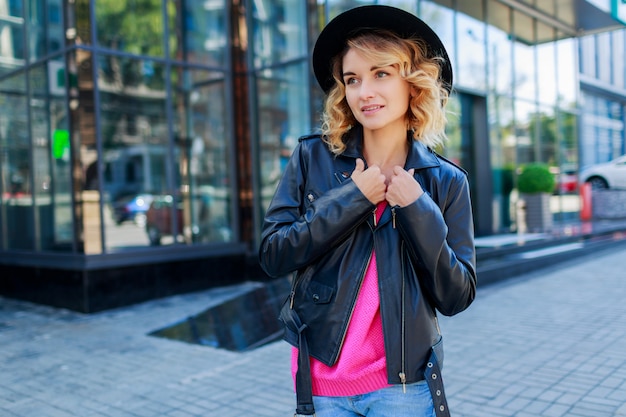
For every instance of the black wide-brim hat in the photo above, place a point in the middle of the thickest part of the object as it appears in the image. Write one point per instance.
(333, 38)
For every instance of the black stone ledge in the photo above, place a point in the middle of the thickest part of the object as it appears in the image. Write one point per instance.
(496, 265)
(92, 283)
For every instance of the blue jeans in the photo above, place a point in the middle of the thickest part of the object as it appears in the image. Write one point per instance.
(387, 402)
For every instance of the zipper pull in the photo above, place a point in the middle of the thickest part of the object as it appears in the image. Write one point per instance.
(375, 221)
(292, 296)
(403, 380)
(393, 217)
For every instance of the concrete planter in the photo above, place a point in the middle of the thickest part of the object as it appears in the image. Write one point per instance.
(538, 215)
(608, 204)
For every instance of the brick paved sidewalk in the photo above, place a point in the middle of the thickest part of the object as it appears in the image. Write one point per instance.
(551, 343)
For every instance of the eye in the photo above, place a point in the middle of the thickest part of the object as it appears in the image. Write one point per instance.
(351, 81)
(382, 74)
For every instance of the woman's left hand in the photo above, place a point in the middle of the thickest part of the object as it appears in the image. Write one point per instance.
(403, 189)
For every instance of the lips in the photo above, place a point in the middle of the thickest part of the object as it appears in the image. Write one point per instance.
(371, 108)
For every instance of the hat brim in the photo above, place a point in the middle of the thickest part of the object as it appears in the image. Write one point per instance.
(332, 39)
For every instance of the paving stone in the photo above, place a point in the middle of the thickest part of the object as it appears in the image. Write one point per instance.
(545, 344)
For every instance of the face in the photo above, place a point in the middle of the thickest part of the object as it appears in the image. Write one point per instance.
(378, 96)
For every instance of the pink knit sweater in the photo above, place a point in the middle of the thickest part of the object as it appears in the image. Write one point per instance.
(361, 367)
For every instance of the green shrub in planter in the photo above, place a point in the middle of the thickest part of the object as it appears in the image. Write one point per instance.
(536, 178)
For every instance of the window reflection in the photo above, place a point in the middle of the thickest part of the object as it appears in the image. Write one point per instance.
(48, 130)
(547, 76)
(283, 117)
(203, 195)
(15, 165)
(134, 146)
(200, 29)
(472, 59)
(441, 20)
(12, 53)
(524, 60)
(130, 26)
(278, 31)
(45, 28)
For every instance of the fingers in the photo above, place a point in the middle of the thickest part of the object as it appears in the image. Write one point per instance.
(403, 189)
(370, 181)
(360, 165)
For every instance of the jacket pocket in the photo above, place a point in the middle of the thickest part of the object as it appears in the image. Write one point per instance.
(319, 293)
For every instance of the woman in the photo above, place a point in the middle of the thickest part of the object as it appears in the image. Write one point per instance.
(377, 227)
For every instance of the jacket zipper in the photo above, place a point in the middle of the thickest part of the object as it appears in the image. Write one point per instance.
(402, 373)
(345, 331)
(393, 217)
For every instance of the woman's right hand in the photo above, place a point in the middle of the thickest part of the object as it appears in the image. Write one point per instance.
(370, 181)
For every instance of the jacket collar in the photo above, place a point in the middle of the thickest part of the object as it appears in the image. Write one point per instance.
(420, 156)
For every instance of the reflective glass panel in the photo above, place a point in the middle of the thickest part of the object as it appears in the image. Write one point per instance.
(500, 65)
(279, 31)
(284, 115)
(619, 54)
(201, 200)
(12, 42)
(45, 28)
(548, 74)
(604, 56)
(441, 20)
(524, 60)
(503, 157)
(135, 146)
(198, 31)
(130, 25)
(51, 150)
(524, 131)
(567, 79)
(472, 60)
(15, 165)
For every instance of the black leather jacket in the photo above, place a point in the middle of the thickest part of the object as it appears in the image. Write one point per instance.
(321, 226)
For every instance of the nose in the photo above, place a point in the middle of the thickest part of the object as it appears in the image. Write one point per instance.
(366, 90)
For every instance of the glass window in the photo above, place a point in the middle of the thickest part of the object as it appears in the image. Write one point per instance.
(454, 148)
(524, 84)
(567, 78)
(441, 20)
(279, 31)
(502, 146)
(471, 60)
(604, 56)
(51, 150)
(45, 28)
(547, 74)
(618, 57)
(130, 26)
(200, 31)
(202, 164)
(283, 115)
(525, 131)
(500, 66)
(588, 55)
(135, 143)
(12, 42)
(588, 131)
(546, 140)
(15, 166)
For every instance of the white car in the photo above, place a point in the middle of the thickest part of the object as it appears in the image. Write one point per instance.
(607, 175)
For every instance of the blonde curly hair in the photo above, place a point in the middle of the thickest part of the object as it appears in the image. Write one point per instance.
(426, 115)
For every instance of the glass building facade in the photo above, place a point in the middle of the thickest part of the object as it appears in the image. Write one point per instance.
(603, 97)
(141, 140)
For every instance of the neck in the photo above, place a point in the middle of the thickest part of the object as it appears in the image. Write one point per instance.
(385, 149)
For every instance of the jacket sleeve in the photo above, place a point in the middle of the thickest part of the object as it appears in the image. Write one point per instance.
(441, 242)
(301, 225)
